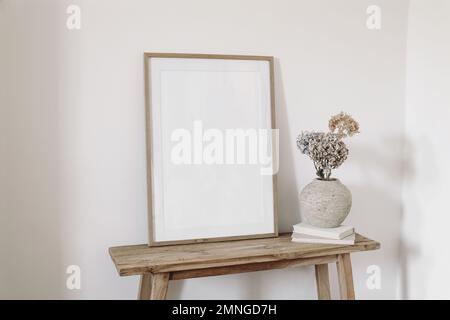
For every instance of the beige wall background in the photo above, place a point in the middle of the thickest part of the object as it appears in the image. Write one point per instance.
(72, 142)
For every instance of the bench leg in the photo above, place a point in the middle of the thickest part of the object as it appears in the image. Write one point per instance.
(344, 269)
(322, 282)
(145, 286)
(160, 282)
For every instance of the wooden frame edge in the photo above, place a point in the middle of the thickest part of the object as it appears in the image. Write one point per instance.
(149, 149)
(207, 56)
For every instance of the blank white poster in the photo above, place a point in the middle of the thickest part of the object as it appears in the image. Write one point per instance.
(208, 117)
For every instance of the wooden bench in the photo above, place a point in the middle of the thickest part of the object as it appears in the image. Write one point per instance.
(157, 265)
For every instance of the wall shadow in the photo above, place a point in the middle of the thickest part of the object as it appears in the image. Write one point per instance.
(410, 247)
(32, 158)
(378, 210)
(288, 204)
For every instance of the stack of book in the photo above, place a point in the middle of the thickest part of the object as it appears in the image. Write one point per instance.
(305, 233)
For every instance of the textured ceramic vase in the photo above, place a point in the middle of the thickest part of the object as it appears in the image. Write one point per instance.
(325, 203)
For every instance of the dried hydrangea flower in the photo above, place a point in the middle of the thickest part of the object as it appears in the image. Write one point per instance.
(343, 125)
(305, 139)
(328, 152)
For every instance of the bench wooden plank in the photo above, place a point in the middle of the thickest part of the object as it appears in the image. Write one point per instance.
(140, 259)
(250, 267)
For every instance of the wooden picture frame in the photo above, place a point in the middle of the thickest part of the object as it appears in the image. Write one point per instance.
(152, 143)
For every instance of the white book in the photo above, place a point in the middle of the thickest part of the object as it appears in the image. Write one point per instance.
(304, 238)
(332, 233)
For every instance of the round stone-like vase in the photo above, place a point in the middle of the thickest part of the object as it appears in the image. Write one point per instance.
(325, 203)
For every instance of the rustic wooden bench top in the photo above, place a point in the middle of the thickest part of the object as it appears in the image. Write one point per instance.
(157, 265)
(141, 259)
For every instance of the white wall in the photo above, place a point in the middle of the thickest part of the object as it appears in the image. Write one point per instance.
(73, 156)
(426, 257)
